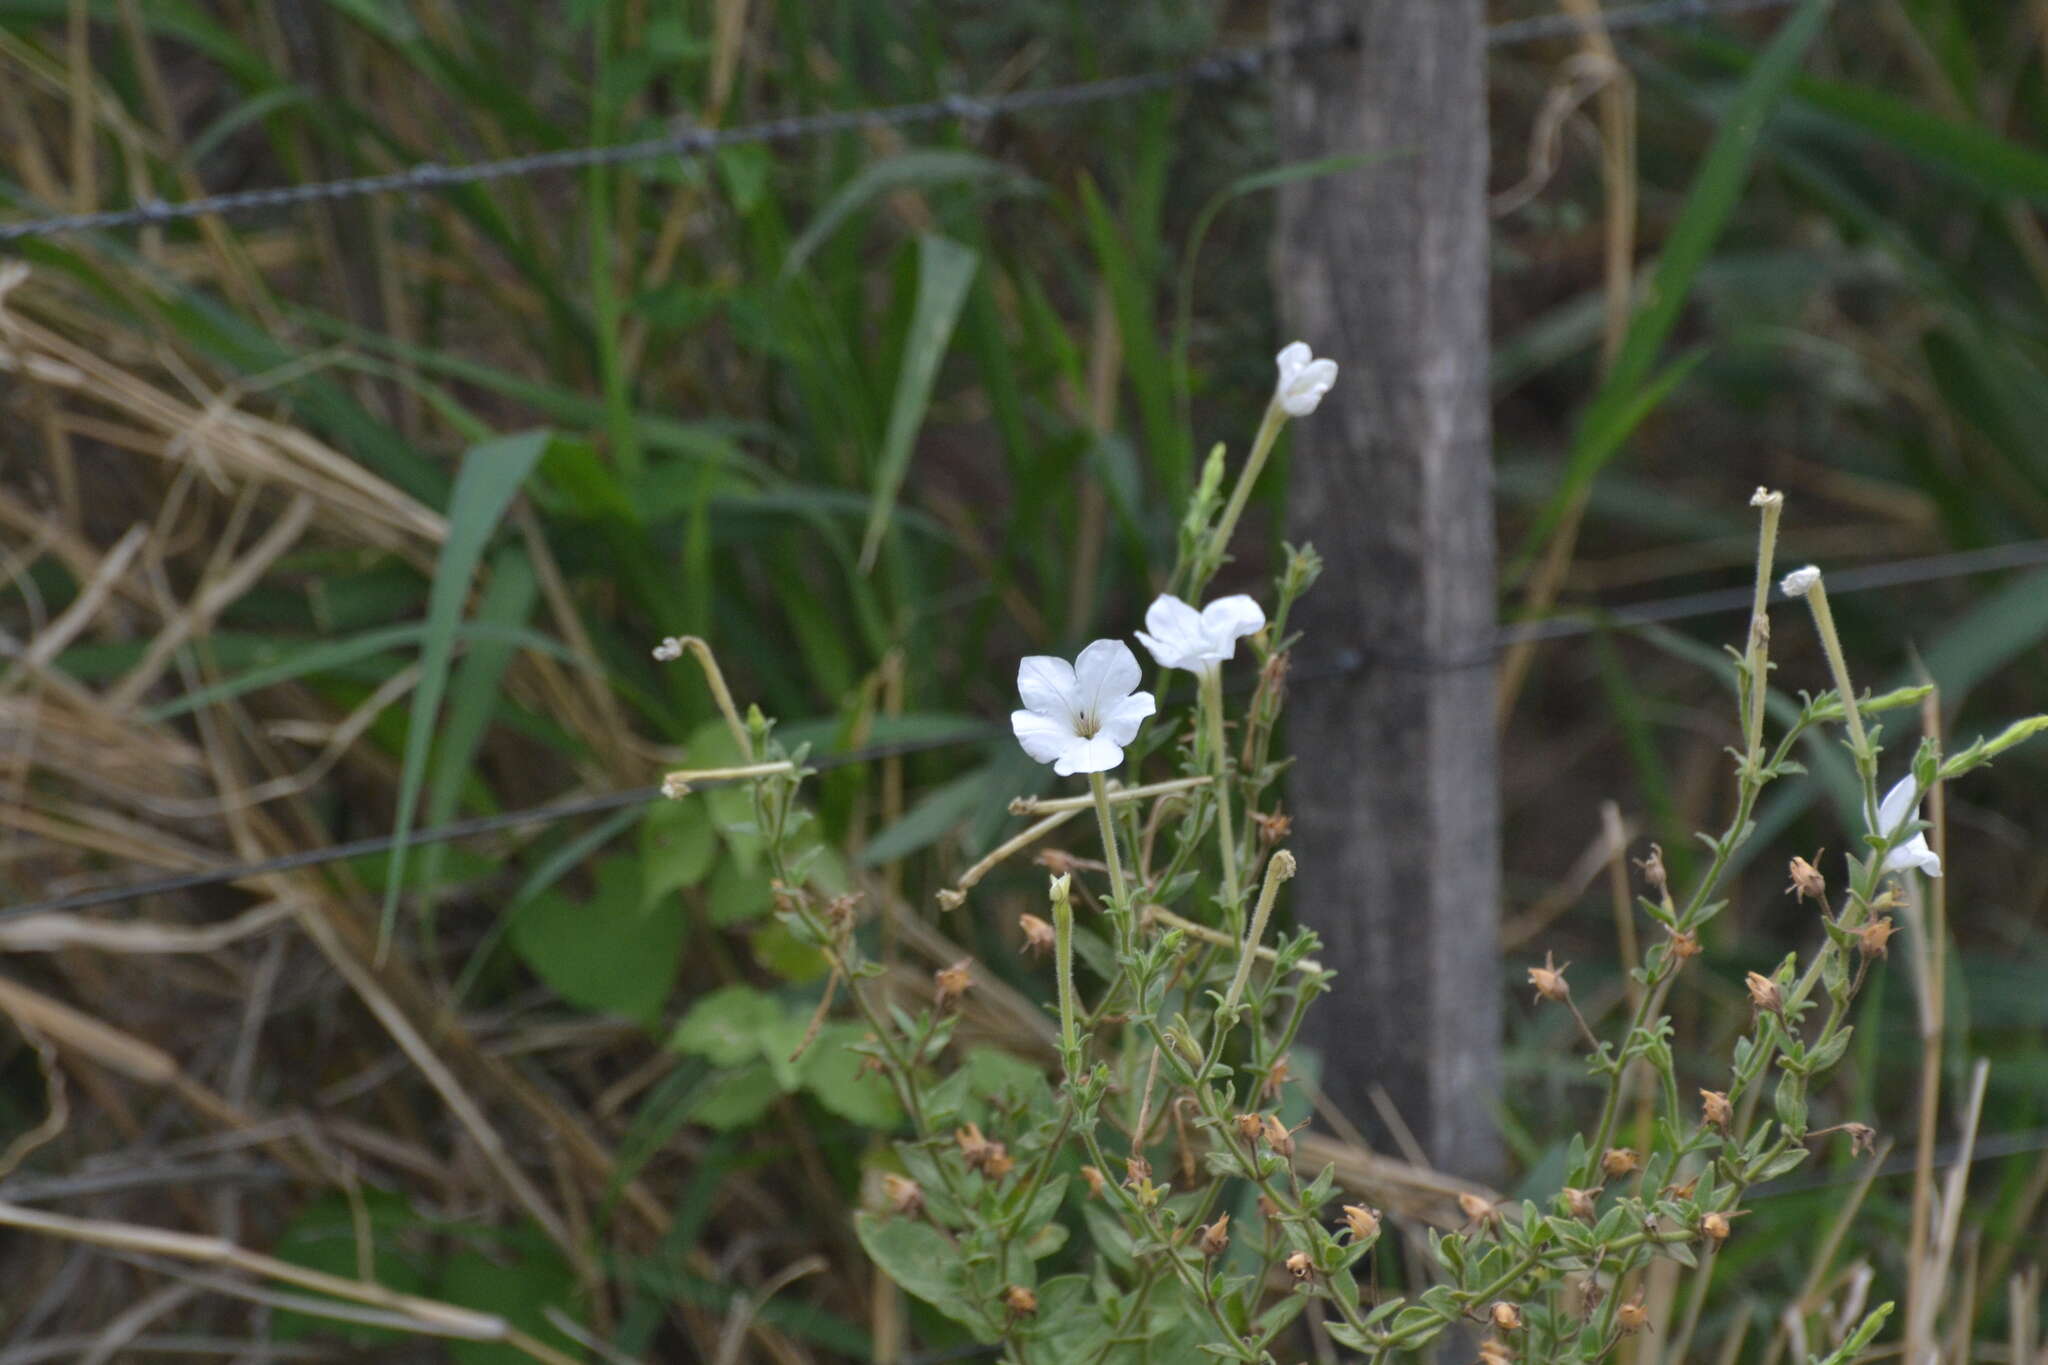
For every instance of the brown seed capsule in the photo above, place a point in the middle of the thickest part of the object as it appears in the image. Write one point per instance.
(904, 1195)
(1684, 944)
(1137, 1170)
(1038, 934)
(1716, 1110)
(1807, 883)
(1096, 1181)
(1273, 828)
(1299, 1266)
(1617, 1162)
(1549, 980)
(951, 983)
(1583, 1204)
(1250, 1127)
(1363, 1222)
(1494, 1351)
(1632, 1317)
(1020, 1301)
(1277, 1078)
(1215, 1238)
(1872, 937)
(1714, 1227)
(974, 1148)
(1278, 1137)
(1677, 1191)
(1764, 994)
(1505, 1316)
(999, 1163)
(1478, 1211)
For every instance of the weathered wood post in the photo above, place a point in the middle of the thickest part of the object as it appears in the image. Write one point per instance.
(1395, 799)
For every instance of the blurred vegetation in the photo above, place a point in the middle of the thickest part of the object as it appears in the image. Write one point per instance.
(367, 515)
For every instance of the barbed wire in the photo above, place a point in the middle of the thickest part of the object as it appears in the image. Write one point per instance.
(1225, 67)
(1575, 624)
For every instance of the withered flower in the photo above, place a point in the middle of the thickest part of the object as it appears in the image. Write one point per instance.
(1764, 994)
(904, 1194)
(1583, 1204)
(1278, 1137)
(1299, 1266)
(1653, 871)
(1716, 1110)
(1478, 1210)
(951, 983)
(1872, 938)
(1684, 944)
(1632, 1317)
(1277, 1078)
(1020, 1301)
(1095, 1181)
(1549, 980)
(1038, 935)
(1250, 1126)
(1363, 1222)
(1215, 1238)
(1807, 883)
(1714, 1227)
(1620, 1161)
(1494, 1351)
(1505, 1316)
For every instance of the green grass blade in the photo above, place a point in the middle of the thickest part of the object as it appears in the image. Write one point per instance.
(1708, 205)
(491, 474)
(944, 271)
(912, 169)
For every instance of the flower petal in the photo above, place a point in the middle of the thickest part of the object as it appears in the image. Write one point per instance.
(1097, 755)
(1898, 805)
(1120, 726)
(1914, 853)
(1047, 686)
(1043, 738)
(1229, 619)
(1104, 674)
(1173, 632)
(1294, 357)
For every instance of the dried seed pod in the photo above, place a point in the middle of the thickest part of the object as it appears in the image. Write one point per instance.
(1807, 883)
(951, 983)
(1215, 1238)
(1363, 1222)
(1617, 1162)
(1764, 994)
(1584, 1204)
(1872, 938)
(1505, 1316)
(1299, 1266)
(1549, 980)
(904, 1194)
(1716, 1110)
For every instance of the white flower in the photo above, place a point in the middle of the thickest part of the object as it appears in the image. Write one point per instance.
(1303, 379)
(1800, 582)
(1198, 641)
(1079, 716)
(1901, 804)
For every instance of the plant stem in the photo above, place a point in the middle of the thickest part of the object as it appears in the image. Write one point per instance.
(1219, 757)
(1838, 662)
(1120, 892)
(1226, 526)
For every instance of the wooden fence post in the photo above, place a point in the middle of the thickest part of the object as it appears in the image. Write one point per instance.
(1394, 796)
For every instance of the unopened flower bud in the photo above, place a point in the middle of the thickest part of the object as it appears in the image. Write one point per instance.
(1872, 938)
(1583, 1204)
(1505, 1316)
(1215, 1238)
(1617, 1162)
(904, 1194)
(1549, 980)
(1038, 936)
(1363, 1222)
(1807, 883)
(1715, 1109)
(1299, 1266)
(1764, 994)
(951, 983)
(1020, 1301)
(1800, 582)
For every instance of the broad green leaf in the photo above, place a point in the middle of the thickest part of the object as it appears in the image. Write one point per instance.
(944, 270)
(677, 846)
(926, 1264)
(924, 824)
(727, 1027)
(736, 1098)
(738, 893)
(838, 1078)
(606, 953)
(322, 1236)
(491, 474)
(519, 1279)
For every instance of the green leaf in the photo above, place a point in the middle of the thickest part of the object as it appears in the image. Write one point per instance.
(519, 1281)
(677, 846)
(607, 953)
(926, 1264)
(322, 1236)
(944, 270)
(918, 167)
(736, 1099)
(739, 894)
(491, 474)
(727, 1026)
(835, 1076)
(937, 813)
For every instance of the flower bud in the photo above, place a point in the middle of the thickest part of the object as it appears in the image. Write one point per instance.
(1505, 1316)
(1215, 1238)
(1807, 883)
(1617, 1162)
(1716, 1110)
(1549, 981)
(1363, 1222)
(1800, 582)
(1299, 1266)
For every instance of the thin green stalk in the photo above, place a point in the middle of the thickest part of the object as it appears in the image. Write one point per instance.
(1063, 966)
(1211, 560)
(1219, 758)
(1120, 891)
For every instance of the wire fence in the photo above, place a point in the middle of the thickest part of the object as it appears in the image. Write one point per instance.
(1347, 662)
(1238, 64)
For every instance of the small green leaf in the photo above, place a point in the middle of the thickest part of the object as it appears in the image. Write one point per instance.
(676, 848)
(738, 893)
(605, 953)
(736, 1099)
(519, 1282)
(727, 1026)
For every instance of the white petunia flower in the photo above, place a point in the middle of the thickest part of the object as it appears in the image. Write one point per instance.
(1303, 379)
(1199, 641)
(1800, 582)
(1901, 804)
(1079, 716)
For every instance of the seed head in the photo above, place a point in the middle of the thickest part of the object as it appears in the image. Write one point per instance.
(1617, 1162)
(1764, 994)
(1215, 1238)
(1020, 1301)
(1038, 935)
(1872, 938)
(1715, 1109)
(1250, 1127)
(904, 1194)
(951, 983)
(1363, 1222)
(1299, 1266)
(1278, 1137)
(1273, 828)
(1505, 1316)
(1584, 1204)
(1684, 944)
(1807, 883)
(1632, 1317)
(1654, 874)
(1549, 981)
